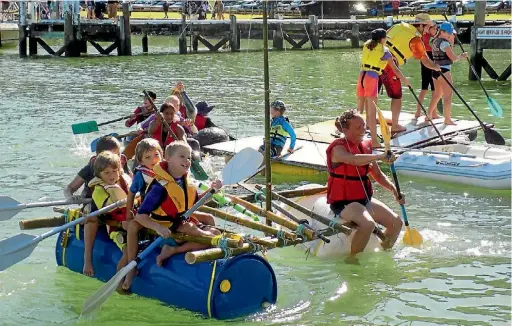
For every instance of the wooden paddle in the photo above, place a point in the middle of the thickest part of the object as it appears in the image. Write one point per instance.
(491, 135)
(494, 106)
(232, 173)
(411, 236)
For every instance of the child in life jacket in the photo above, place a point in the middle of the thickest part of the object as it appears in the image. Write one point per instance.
(157, 130)
(169, 196)
(374, 59)
(110, 185)
(202, 120)
(442, 52)
(280, 128)
(85, 175)
(143, 112)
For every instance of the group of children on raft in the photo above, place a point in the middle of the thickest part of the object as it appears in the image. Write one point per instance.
(160, 180)
(376, 56)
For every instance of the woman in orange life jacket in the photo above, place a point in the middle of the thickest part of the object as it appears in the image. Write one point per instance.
(157, 130)
(350, 162)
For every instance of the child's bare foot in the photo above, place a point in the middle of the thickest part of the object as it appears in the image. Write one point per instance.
(128, 279)
(167, 251)
(398, 128)
(88, 269)
(436, 116)
(449, 122)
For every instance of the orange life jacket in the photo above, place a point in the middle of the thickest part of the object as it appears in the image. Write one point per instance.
(348, 182)
(158, 135)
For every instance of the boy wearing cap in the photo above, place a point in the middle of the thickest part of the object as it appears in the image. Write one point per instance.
(280, 128)
(404, 42)
(374, 59)
(141, 113)
(442, 52)
(202, 120)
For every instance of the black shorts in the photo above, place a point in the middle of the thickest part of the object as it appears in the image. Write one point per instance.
(338, 206)
(437, 74)
(426, 76)
(275, 151)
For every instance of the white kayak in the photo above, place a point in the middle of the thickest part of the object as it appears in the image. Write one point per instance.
(340, 243)
(478, 165)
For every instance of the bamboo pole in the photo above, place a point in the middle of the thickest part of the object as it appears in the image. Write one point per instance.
(42, 222)
(200, 256)
(248, 223)
(268, 167)
(212, 241)
(310, 235)
(292, 193)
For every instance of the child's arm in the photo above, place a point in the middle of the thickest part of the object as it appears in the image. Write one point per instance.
(449, 52)
(154, 125)
(293, 137)
(129, 205)
(147, 222)
(73, 186)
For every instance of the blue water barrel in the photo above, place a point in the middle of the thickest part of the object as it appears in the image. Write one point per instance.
(242, 284)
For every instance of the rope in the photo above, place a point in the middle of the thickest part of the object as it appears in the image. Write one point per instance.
(300, 231)
(335, 220)
(259, 194)
(281, 235)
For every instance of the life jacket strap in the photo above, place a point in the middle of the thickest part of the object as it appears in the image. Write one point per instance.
(400, 54)
(348, 177)
(377, 69)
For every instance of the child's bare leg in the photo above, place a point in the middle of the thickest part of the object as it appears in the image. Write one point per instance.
(436, 96)
(371, 120)
(90, 230)
(132, 247)
(360, 104)
(204, 218)
(447, 99)
(124, 259)
(169, 251)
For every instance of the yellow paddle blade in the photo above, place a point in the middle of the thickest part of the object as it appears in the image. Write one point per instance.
(412, 237)
(384, 128)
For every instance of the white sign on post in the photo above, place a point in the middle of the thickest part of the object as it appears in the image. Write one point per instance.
(494, 33)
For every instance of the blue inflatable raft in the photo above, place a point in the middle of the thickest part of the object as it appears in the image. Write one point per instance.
(241, 285)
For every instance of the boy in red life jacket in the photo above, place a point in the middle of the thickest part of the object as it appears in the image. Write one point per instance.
(169, 196)
(202, 120)
(143, 112)
(157, 130)
(109, 185)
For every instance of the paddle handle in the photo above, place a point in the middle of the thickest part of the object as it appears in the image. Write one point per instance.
(112, 121)
(55, 203)
(397, 186)
(80, 220)
(153, 106)
(187, 214)
(426, 114)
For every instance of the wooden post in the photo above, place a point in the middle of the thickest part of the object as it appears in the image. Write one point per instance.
(0, 38)
(22, 36)
(477, 53)
(182, 41)
(354, 39)
(69, 34)
(144, 40)
(32, 46)
(125, 47)
(278, 40)
(195, 41)
(234, 34)
(314, 33)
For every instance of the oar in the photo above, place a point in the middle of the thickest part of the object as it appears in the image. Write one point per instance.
(491, 135)
(411, 236)
(494, 106)
(15, 249)
(9, 207)
(92, 126)
(153, 106)
(276, 159)
(239, 167)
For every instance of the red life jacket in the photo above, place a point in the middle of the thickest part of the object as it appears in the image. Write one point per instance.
(426, 41)
(345, 183)
(200, 122)
(158, 135)
(183, 112)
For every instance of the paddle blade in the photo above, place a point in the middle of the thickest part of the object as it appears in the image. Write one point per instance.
(412, 237)
(15, 249)
(95, 301)
(384, 128)
(198, 171)
(244, 164)
(493, 137)
(495, 107)
(84, 127)
(9, 207)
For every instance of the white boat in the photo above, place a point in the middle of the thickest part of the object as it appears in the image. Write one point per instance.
(479, 165)
(340, 243)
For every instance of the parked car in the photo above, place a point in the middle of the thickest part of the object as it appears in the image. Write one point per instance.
(491, 4)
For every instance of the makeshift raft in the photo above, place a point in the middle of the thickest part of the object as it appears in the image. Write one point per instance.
(309, 163)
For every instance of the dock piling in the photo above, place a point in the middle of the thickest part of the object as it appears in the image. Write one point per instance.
(182, 41)
(354, 39)
(314, 32)
(234, 37)
(145, 40)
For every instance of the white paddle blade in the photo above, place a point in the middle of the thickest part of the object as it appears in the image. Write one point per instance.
(244, 164)
(15, 249)
(95, 301)
(9, 207)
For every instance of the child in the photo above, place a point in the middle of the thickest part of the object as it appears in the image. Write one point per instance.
(158, 131)
(110, 185)
(169, 196)
(374, 59)
(280, 128)
(444, 56)
(85, 175)
(143, 112)
(426, 73)
(202, 120)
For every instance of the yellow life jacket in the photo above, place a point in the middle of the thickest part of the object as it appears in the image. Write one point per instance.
(177, 201)
(399, 37)
(104, 195)
(371, 59)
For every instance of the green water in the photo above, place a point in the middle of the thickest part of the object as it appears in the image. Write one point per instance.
(461, 277)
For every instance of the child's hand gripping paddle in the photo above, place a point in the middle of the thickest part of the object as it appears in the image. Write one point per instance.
(15, 249)
(242, 165)
(411, 237)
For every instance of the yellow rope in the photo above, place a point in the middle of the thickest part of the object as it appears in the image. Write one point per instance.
(208, 303)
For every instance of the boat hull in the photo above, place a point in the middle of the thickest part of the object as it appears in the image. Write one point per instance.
(340, 243)
(252, 282)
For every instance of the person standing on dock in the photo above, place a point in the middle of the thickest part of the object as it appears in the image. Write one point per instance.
(404, 42)
(112, 10)
(165, 6)
(350, 163)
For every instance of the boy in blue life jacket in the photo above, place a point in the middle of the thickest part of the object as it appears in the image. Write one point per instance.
(280, 128)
